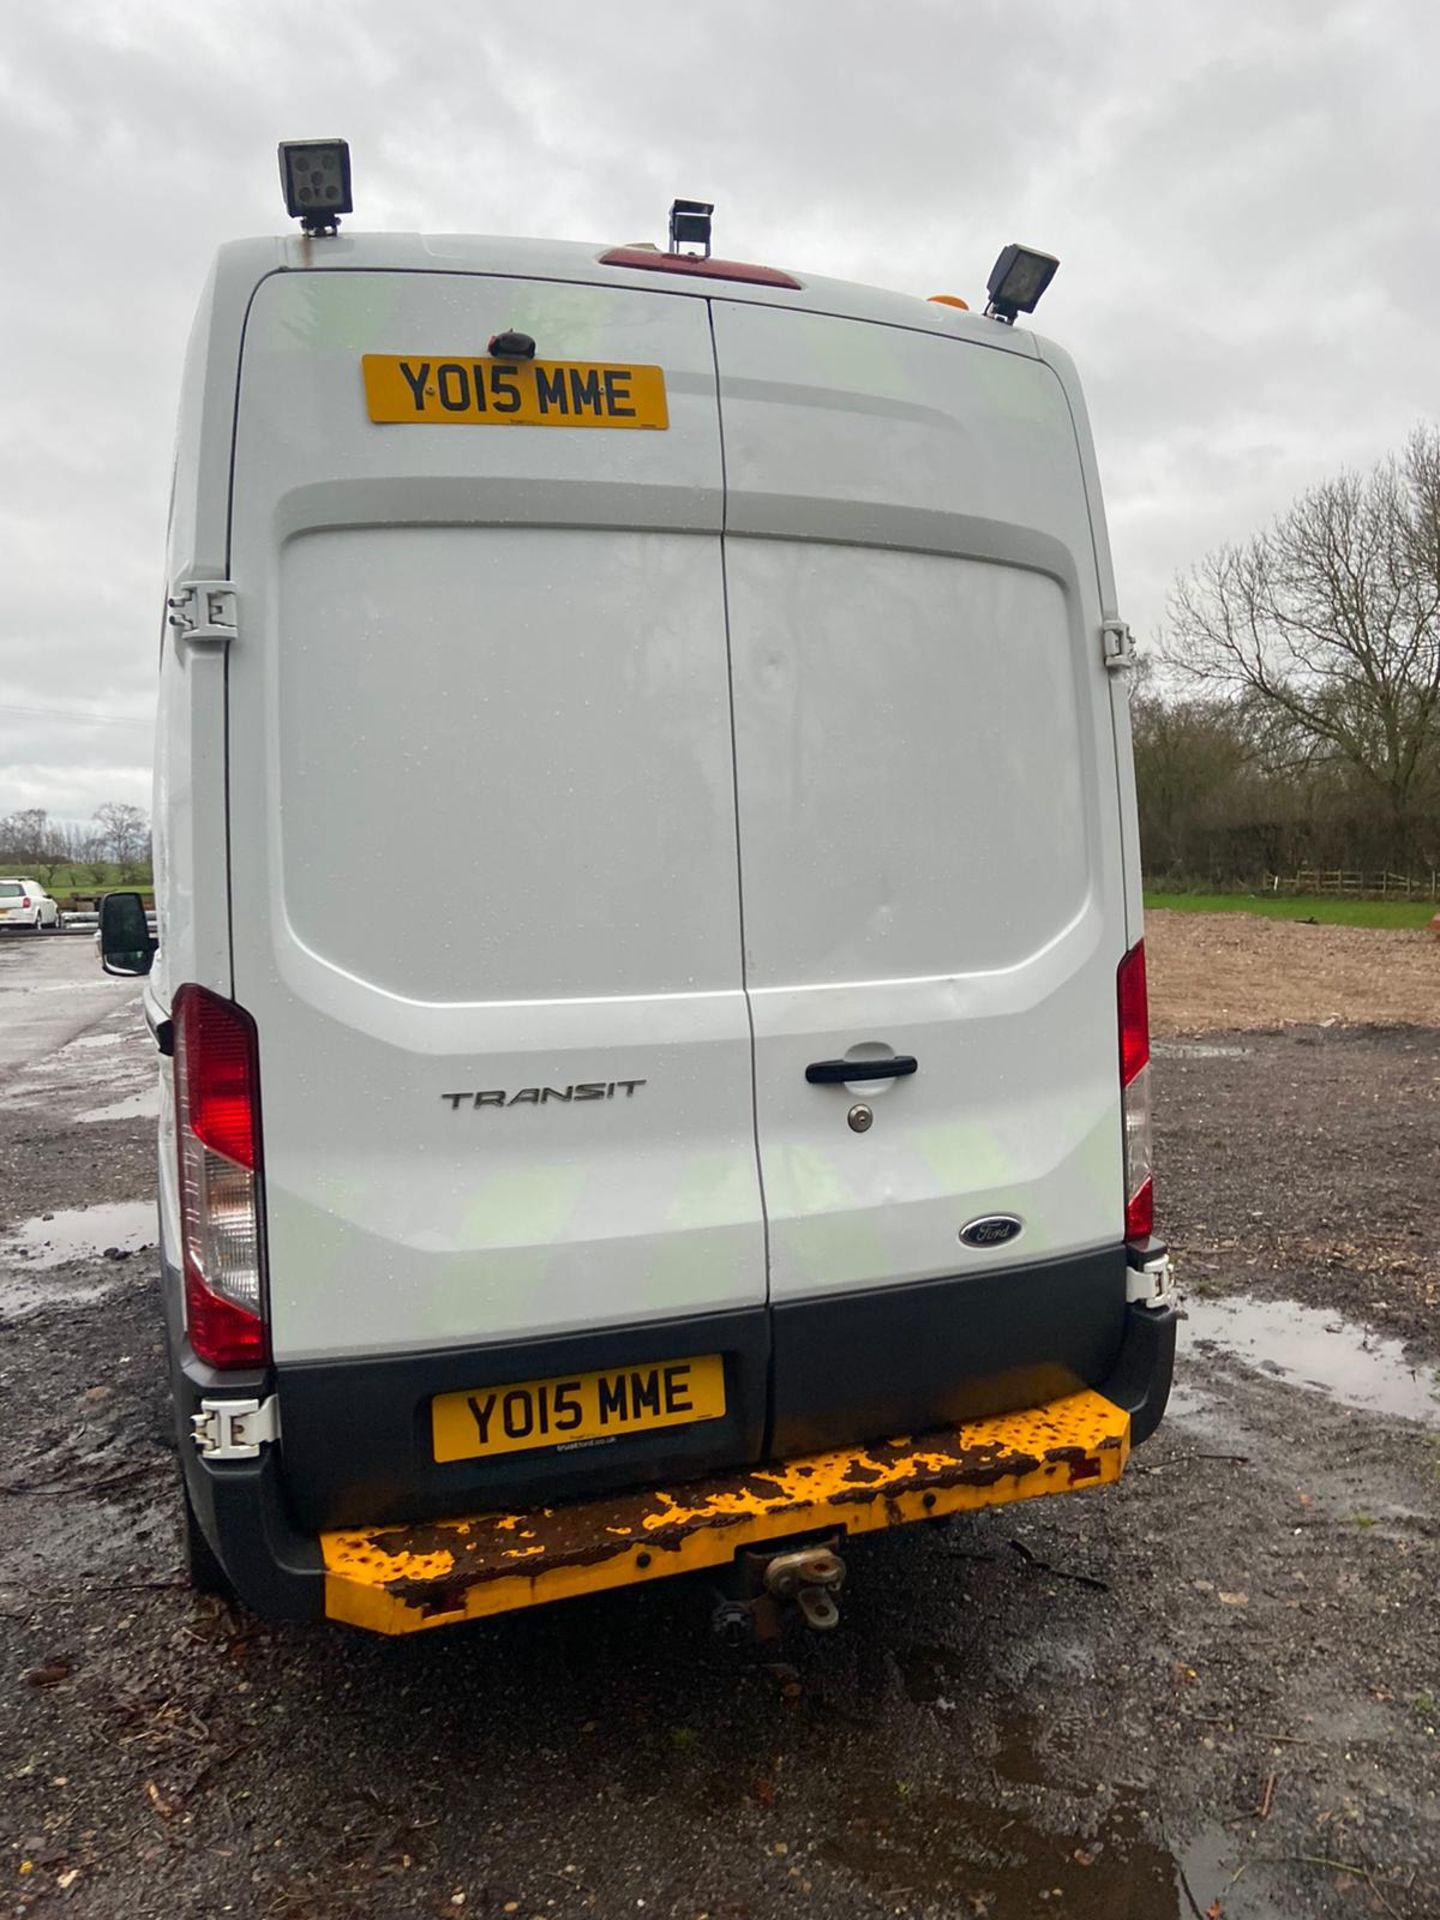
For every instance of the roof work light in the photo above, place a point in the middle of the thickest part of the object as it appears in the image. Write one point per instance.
(690, 225)
(315, 175)
(1017, 280)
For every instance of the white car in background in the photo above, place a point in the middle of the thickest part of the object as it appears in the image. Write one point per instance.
(25, 903)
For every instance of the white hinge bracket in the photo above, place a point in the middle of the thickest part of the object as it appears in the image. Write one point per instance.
(1117, 645)
(235, 1429)
(203, 611)
(1152, 1285)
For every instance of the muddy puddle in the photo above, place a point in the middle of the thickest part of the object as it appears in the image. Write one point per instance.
(143, 1105)
(925, 1850)
(1197, 1050)
(30, 1253)
(97, 986)
(115, 1231)
(1309, 1347)
(929, 1851)
(21, 1296)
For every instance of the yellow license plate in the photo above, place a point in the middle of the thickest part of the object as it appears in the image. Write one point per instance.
(429, 390)
(578, 1407)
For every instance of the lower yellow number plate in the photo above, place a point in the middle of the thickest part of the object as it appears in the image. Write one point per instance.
(428, 390)
(584, 1406)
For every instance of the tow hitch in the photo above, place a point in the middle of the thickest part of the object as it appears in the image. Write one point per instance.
(811, 1578)
(764, 1585)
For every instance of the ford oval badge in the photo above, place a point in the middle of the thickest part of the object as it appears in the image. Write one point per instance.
(992, 1230)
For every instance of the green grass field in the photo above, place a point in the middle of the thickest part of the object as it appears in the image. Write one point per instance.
(1331, 910)
(72, 880)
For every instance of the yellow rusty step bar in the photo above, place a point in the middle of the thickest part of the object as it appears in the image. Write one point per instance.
(400, 1579)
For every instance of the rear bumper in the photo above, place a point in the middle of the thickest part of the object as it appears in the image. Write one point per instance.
(398, 1580)
(395, 1572)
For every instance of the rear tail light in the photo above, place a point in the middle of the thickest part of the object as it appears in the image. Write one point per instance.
(1135, 1095)
(25, 900)
(217, 1101)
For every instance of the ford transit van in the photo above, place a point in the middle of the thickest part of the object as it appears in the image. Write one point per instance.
(650, 959)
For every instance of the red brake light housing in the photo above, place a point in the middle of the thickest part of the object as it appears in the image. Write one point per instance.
(1134, 1011)
(217, 1110)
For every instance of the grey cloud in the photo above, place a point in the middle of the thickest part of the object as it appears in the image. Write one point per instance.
(1241, 196)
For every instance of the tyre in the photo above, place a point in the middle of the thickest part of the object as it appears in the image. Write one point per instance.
(202, 1564)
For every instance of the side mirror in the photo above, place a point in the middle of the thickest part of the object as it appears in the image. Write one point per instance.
(126, 944)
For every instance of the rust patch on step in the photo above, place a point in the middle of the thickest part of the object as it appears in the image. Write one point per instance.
(398, 1579)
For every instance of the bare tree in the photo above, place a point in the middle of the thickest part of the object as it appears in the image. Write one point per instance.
(30, 838)
(1190, 756)
(124, 832)
(1331, 620)
(90, 853)
(23, 835)
(55, 853)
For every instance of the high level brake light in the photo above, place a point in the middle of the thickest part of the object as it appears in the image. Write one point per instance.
(217, 1101)
(690, 225)
(1135, 1094)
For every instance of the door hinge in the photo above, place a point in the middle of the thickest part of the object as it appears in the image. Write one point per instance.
(203, 611)
(1117, 645)
(1151, 1284)
(235, 1429)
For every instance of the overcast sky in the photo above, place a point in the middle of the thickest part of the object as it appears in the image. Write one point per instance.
(1243, 198)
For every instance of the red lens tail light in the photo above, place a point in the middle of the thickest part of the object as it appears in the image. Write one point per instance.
(217, 1102)
(221, 1077)
(1134, 1016)
(1134, 1011)
(1140, 1213)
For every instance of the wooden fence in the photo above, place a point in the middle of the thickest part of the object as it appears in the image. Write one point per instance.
(1374, 886)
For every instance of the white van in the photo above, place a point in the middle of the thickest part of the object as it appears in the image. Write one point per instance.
(649, 928)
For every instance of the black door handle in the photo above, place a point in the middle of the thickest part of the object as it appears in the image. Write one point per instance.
(829, 1073)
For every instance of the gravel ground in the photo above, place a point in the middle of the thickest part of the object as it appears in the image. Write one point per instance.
(1305, 1165)
(1207, 1694)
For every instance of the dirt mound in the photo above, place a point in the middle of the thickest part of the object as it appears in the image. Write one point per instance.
(1228, 971)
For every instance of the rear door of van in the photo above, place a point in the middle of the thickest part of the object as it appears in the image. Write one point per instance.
(485, 897)
(932, 869)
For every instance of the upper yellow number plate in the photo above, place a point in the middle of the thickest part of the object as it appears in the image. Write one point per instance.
(425, 390)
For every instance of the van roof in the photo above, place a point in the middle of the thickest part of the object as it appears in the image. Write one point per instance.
(572, 260)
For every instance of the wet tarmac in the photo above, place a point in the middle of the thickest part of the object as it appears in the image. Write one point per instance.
(50, 996)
